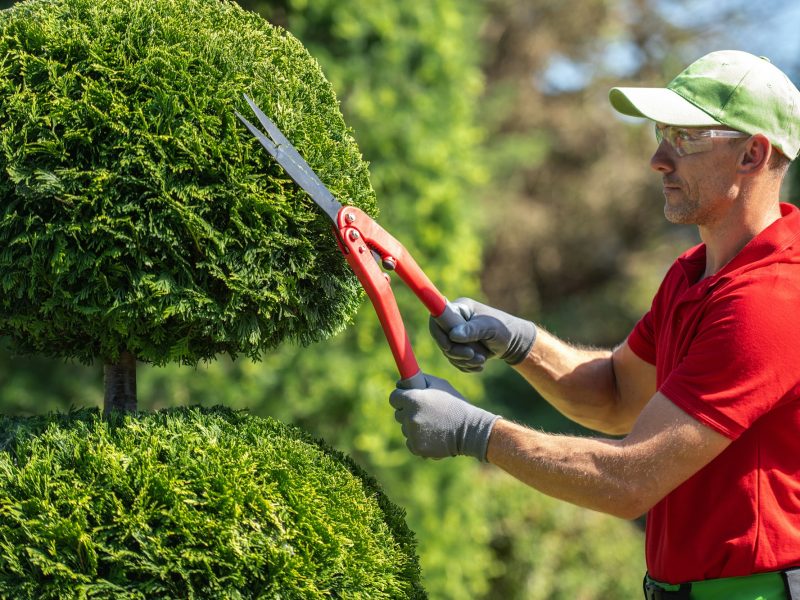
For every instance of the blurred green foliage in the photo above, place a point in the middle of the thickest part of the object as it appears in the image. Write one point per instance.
(191, 504)
(550, 550)
(137, 212)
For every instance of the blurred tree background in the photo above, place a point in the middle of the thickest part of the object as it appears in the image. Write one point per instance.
(500, 165)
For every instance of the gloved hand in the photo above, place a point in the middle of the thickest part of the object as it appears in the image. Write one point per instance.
(438, 421)
(501, 334)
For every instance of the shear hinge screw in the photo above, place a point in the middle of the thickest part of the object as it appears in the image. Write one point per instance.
(389, 263)
(354, 235)
(349, 217)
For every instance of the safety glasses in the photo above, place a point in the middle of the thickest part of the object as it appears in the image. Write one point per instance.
(691, 141)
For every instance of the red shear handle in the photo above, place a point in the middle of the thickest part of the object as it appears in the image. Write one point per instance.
(358, 234)
(376, 284)
(393, 252)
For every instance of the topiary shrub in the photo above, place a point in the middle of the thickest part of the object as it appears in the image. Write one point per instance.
(190, 503)
(136, 213)
(138, 220)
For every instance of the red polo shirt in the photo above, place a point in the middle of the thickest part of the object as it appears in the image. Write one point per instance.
(727, 352)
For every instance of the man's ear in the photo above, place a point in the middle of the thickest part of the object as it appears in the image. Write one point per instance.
(755, 155)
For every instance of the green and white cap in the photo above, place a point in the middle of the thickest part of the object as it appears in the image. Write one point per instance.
(729, 87)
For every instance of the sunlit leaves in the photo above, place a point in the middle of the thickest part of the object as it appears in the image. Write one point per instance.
(136, 211)
(192, 504)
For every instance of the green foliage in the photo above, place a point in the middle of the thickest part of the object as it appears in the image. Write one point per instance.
(191, 504)
(792, 182)
(137, 213)
(34, 385)
(551, 550)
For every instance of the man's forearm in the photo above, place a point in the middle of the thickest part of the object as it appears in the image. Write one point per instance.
(623, 477)
(588, 472)
(578, 382)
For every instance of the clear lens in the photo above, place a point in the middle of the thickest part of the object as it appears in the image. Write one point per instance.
(691, 141)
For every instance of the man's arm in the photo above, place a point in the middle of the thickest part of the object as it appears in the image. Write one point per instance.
(613, 392)
(609, 391)
(603, 390)
(621, 477)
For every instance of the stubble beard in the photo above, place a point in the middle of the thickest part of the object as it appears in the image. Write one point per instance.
(685, 212)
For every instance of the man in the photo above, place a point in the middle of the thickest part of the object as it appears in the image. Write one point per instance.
(705, 392)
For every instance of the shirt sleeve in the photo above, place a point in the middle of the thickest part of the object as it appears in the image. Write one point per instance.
(742, 361)
(642, 339)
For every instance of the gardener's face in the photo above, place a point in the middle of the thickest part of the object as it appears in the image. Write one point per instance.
(697, 187)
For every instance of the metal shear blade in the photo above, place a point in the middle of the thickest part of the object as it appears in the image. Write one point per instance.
(289, 158)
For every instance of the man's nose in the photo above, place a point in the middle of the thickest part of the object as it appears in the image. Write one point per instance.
(663, 159)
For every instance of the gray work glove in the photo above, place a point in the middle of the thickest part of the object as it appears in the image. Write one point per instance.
(438, 421)
(499, 334)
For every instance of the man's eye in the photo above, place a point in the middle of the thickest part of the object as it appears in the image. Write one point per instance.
(683, 135)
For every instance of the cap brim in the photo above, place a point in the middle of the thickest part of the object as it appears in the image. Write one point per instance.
(659, 104)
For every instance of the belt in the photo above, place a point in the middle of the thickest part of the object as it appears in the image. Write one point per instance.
(780, 585)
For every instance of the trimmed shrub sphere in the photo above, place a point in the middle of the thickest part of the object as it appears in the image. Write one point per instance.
(191, 503)
(136, 212)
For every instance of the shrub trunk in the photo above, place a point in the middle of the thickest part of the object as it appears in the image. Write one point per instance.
(120, 384)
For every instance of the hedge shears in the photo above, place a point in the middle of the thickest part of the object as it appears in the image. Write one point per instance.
(364, 244)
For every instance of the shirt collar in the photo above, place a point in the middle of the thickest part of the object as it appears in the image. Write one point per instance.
(772, 240)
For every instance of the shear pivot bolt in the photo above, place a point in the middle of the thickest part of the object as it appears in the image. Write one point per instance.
(354, 235)
(349, 217)
(389, 263)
